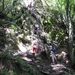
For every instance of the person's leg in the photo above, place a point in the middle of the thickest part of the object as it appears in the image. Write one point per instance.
(53, 59)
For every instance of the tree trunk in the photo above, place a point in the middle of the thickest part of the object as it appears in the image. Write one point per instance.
(70, 31)
(71, 51)
(3, 6)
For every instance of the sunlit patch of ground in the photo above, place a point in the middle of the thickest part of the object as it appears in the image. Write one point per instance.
(57, 66)
(27, 59)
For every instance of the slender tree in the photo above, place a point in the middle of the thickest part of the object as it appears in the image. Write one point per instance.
(3, 5)
(70, 31)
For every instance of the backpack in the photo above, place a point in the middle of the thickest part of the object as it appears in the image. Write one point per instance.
(53, 47)
(35, 28)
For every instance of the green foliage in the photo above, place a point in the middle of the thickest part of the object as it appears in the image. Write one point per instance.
(47, 24)
(10, 72)
(70, 74)
(10, 34)
(12, 30)
(4, 73)
(60, 35)
(2, 21)
(39, 59)
(22, 64)
(5, 55)
(16, 67)
(20, 61)
(9, 15)
(14, 27)
(52, 35)
(57, 35)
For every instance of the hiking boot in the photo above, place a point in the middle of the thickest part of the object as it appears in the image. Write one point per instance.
(52, 63)
(56, 61)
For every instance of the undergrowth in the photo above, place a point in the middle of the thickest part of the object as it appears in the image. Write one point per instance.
(10, 65)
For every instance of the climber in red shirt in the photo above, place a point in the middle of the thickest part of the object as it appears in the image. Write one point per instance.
(35, 48)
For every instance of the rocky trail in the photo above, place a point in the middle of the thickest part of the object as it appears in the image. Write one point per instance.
(42, 62)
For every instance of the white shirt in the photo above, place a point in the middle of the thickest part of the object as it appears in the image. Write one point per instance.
(36, 25)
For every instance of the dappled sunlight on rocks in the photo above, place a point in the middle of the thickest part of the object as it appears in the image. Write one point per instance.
(27, 59)
(62, 56)
(57, 66)
(22, 47)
